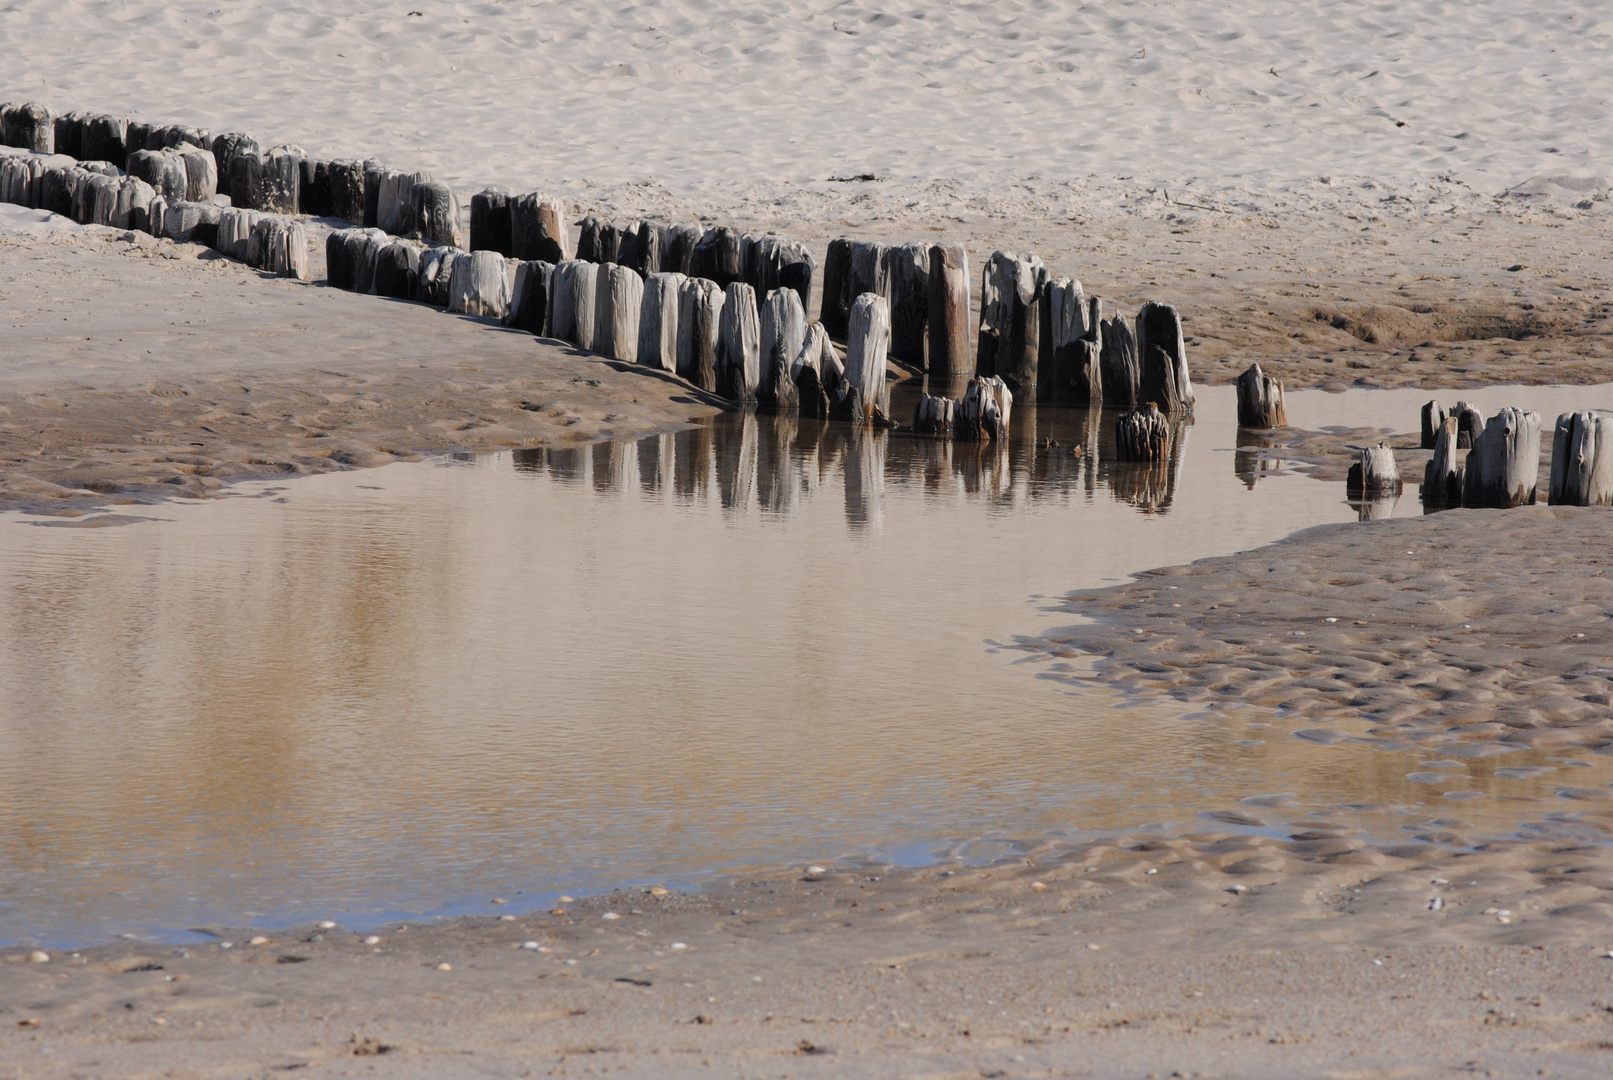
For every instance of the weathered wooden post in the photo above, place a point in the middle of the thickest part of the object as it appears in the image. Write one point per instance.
(1503, 467)
(933, 416)
(529, 298)
(538, 229)
(817, 372)
(739, 374)
(620, 300)
(1143, 434)
(1260, 400)
(104, 139)
(479, 285)
(783, 333)
(435, 283)
(983, 414)
(1162, 357)
(718, 254)
(134, 205)
(948, 318)
(201, 174)
(571, 317)
(870, 273)
(837, 295)
(490, 222)
(1122, 376)
(30, 126)
(345, 179)
(164, 172)
(658, 321)
(863, 396)
(226, 148)
(1582, 460)
(1433, 419)
(185, 222)
(1374, 474)
(313, 194)
(397, 270)
(908, 269)
(1442, 477)
(677, 255)
(434, 214)
(1469, 425)
(700, 304)
(1010, 320)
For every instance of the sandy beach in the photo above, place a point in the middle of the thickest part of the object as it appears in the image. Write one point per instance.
(1353, 197)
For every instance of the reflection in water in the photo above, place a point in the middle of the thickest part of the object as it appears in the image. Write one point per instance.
(1248, 463)
(748, 643)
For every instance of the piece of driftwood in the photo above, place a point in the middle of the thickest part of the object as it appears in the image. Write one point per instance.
(1162, 357)
(740, 347)
(1010, 320)
(907, 270)
(863, 395)
(620, 300)
(1442, 476)
(983, 414)
(1433, 419)
(1144, 434)
(1469, 424)
(529, 298)
(225, 149)
(678, 244)
(397, 270)
(346, 181)
(1582, 460)
(700, 304)
(658, 321)
(816, 371)
(783, 333)
(1374, 474)
(1260, 400)
(1122, 375)
(1504, 464)
(479, 285)
(934, 416)
(538, 229)
(947, 319)
(490, 222)
(434, 214)
(837, 295)
(103, 138)
(29, 126)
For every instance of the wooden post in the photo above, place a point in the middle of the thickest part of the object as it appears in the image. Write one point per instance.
(185, 222)
(837, 296)
(490, 222)
(1433, 420)
(717, 256)
(435, 283)
(863, 395)
(948, 319)
(538, 229)
(1122, 377)
(1143, 434)
(529, 298)
(983, 414)
(397, 270)
(783, 334)
(1063, 313)
(134, 206)
(588, 230)
(1504, 465)
(201, 174)
(164, 172)
(620, 300)
(817, 371)
(678, 245)
(1469, 425)
(908, 269)
(1582, 460)
(1374, 474)
(700, 305)
(104, 139)
(313, 195)
(1260, 400)
(70, 135)
(30, 126)
(870, 273)
(633, 246)
(479, 285)
(572, 316)
(658, 321)
(934, 416)
(434, 214)
(1162, 357)
(1442, 477)
(339, 254)
(739, 372)
(1010, 320)
(225, 149)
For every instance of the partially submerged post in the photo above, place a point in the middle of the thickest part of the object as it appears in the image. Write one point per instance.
(1010, 320)
(1143, 434)
(934, 416)
(863, 396)
(1504, 465)
(1260, 400)
(817, 372)
(1162, 357)
(948, 314)
(983, 414)
(908, 269)
(740, 346)
(1374, 474)
(1582, 460)
(1469, 425)
(1122, 378)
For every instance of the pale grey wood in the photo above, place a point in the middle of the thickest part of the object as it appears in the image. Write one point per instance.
(29, 126)
(1433, 419)
(950, 365)
(816, 372)
(700, 305)
(1469, 424)
(863, 394)
(1143, 434)
(529, 297)
(433, 286)
(201, 173)
(479, 285)
(1374, 474)
(1582, 460)
(620, 300)
(985, 411)
(155, 211)
(579, 284)
(133, 210)
(1260, 400)
(163, 171)
(1122, 376)
(1504, 465)
(293, 263)
(434, 214)
(188, 222)
(908, 271)
(837, 295)
(783, 333)
(739, 375)
(1010, 320)
(934, 416)
(870, 273)
(106, 200)
(1442, 477)
(658, 321)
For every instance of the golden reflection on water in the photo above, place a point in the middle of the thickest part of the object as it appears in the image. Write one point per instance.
(412, 689)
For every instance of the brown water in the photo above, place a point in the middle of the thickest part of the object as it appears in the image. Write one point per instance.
(409, 690)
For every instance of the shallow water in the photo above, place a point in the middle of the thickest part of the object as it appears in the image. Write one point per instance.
(410, 690)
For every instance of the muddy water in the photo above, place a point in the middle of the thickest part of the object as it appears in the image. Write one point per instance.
(411, 690)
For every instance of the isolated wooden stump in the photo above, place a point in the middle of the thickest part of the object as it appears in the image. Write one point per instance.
(1374, 474)
(908, 273)
(837, 295)
(620, 301)
(529, 298)
(538, 229)
(934, 416)
(783, 333)
(1433, 420)
(1582, 460)
(1122, 375)
(397, 270)
(700, 304)
(863, 395)
(1163, 359)
(739, 372)
(1143, 434)
(490, 222)
(1504, 465)
(30, 126)
(1260, 400)
(658, 321)
(1010, 320)
(983, 414)
(1443, 475)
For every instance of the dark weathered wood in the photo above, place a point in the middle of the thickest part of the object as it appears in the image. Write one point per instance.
(750, 261)
(1143, 434)
(796, 271)
(313, 195)
(700, 305)
(1504, 465)
(1582, 460)
(346, 180)
(630, 247)
(934, 416)
(984, 413)
(435, 284)
(339, 253)
(70, 135)
(133, 209)
(1260, 400)
(103, 139)
(164, 172)
(610, 243)
(1433, 419)
(1122, 375)
(1442, 477)
(185, 222)
(1010, 320)
(947, 307)
(1162, 356)
(30, 126)
(1374, 474)
(434, 214)
(783, 334)
(226, 147)
(397, 270)
(863, 395)
(174, 136)
(138, 135)
(837, 296)
(490, 222)
(658, 321)
(529, 298)
(374, 173)
(740, 349)
(717, 256)
(620, 303)
(57, 191)
(816, 371)
(679, 244)
(538, 229)
(588, 232)
(1469, 425)
(908, 273)
(870, 273)
(267, 182)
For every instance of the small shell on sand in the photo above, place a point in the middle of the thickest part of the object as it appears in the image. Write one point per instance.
(327, 925)
(372, 940)
(565, 900)
(445, 966)
(506, 918)
(530, 945)
(259, 940)
(657, 891)
(1038, 886)
(678, 946)
(39, 956)
(610, 915)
